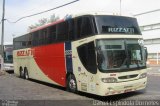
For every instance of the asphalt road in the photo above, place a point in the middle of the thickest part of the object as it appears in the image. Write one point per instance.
(16, 91)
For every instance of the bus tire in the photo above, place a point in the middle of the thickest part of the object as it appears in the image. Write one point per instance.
(21, 73)
(26, 76)
(71, 83)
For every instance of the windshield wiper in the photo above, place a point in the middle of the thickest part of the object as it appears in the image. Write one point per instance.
(124, 62)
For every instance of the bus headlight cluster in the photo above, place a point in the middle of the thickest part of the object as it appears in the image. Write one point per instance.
(143, 75)
(109, 80)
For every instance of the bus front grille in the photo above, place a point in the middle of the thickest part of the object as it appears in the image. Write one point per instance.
(128, 76)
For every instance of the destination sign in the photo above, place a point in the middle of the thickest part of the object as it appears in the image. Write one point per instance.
(118, 30)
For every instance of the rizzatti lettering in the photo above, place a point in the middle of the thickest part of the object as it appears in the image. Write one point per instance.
(25, 53)
(121, 30)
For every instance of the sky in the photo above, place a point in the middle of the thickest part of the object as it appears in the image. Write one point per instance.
(16, 9)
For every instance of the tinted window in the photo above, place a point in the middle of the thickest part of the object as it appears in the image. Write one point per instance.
(87, 56)
(84, 27)
(62, 31)
(29, 41)
(78, 27)
(35, 38)
(117, 25)
(51, 37)
(42, 36)
(24, 43)
(71, 29)
(16, 44)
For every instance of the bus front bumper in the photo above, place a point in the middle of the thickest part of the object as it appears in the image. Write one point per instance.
(107, 89)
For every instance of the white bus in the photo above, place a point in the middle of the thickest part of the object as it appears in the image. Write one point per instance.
(8, 57)
(94, 53)
(7, 61)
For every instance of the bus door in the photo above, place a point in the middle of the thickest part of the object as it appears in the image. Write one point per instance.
(87, 68)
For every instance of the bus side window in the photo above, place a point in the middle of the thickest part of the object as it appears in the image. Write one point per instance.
(92, 67)
(86, 28)
(35, 38)
(78, 27)
(24, 42)
(42, 35)
(71, 29)
(62, 31)
(51, 36)
(29, 41)
(17, 43)
(87, 56)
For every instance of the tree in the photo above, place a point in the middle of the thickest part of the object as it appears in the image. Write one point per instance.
(53, 18)
(44, 21)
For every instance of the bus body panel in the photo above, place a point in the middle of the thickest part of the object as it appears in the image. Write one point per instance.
(86, 81)
(50, 59)
(45, 63)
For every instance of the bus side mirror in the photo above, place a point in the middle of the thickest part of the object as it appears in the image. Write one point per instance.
(146, 53)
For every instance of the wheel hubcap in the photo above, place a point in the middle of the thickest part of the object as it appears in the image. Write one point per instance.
(26, 76)
(72, 84)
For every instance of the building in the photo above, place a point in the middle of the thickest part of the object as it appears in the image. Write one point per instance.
(151, 34)
(153, 47)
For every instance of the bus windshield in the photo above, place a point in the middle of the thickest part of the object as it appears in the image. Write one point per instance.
(118, 55)
(117, 25)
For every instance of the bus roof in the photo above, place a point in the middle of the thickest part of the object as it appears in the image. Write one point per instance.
(47, 25)
(74, 16)
(101, 13)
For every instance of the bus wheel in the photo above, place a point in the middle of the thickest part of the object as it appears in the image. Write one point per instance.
(26, 76)
(21, 73)
(71, 84)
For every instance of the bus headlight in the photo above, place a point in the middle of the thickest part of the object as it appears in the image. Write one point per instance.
(109, 80)
(143, 75)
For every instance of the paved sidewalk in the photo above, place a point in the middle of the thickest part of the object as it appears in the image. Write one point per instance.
(14, 88)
